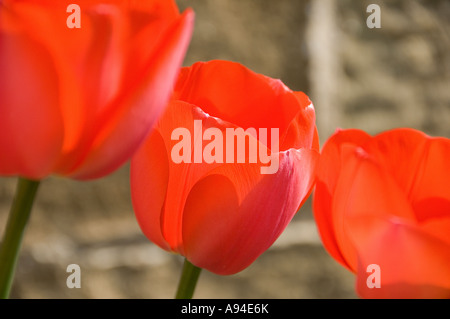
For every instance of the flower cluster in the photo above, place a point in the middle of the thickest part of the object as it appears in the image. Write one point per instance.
(222, 157)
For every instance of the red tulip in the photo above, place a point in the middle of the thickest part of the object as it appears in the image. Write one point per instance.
(78, 102)
(222, 211)
(382, 206)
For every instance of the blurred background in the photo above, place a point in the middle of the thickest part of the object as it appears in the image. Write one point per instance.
(373, 79)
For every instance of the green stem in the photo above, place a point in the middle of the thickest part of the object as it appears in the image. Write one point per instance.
(188, 281)
(15, 228)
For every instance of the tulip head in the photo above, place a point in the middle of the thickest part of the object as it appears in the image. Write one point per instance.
(78, 102)
(221, 203)
(383, 203)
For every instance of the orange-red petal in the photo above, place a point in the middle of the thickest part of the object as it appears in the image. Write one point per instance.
(328, 172)
(30, 121)
(235, 94)
(234, 214)
(149, 175)
(127, 126)
(412, 264)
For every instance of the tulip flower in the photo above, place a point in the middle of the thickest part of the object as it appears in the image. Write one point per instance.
(78, 102)
(199, 192)
(81, 86)
(382, 206)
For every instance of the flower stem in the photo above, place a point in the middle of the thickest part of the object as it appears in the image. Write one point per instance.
(188, 281)
(15, 228)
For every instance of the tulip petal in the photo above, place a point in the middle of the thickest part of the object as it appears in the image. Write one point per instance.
(301, 132)
(364, 188)
(423, 175)
(150, 186)
(431, 191)
(424, 172)
(182, 115)
(243, 212)
(412, 264)
(29, 106)
(127, 127)
(432, 185)
(149, 174)
(327, 176)
(203, 85)
(406, 146)
(45, 23)
(212, 203)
